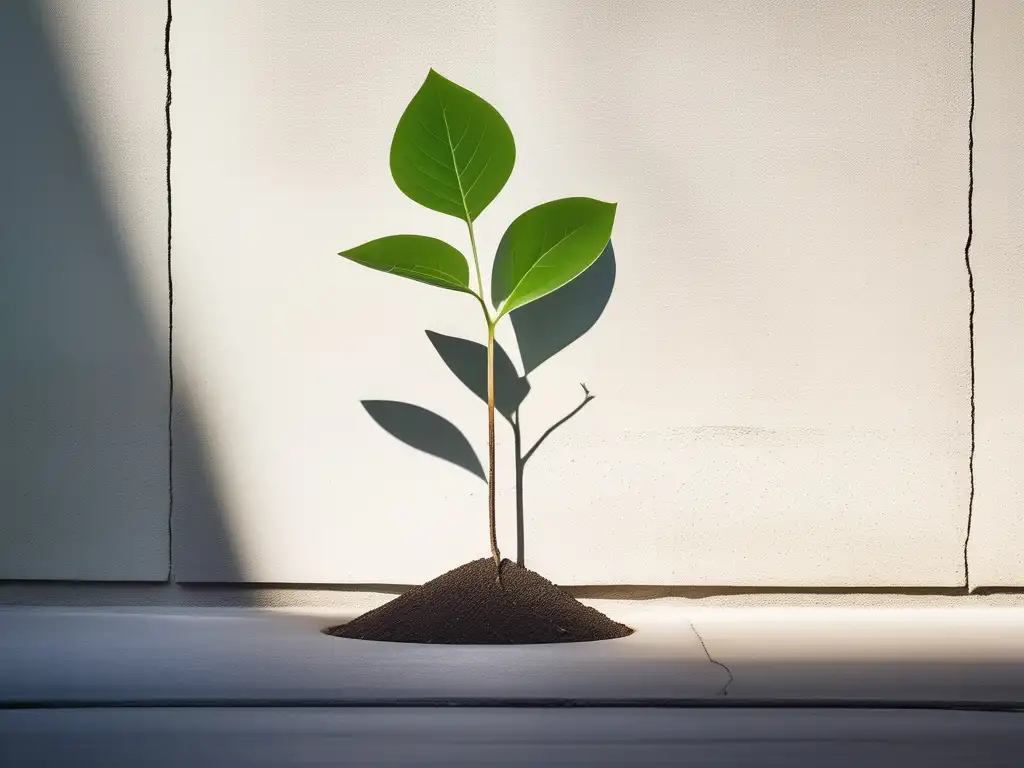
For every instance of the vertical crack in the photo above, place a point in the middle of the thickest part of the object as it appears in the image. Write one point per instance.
(170, 312)
(724, 691)
(970, 288)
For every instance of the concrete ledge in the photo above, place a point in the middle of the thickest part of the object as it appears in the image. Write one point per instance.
(82, 655)
(679, 652)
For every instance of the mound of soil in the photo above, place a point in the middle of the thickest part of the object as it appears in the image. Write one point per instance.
(466, 606)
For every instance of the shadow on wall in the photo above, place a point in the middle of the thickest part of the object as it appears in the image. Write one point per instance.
(542, 329)
(84, 393)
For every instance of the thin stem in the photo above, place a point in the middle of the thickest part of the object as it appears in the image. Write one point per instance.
(490, 449)
(483, 306)
(490, 384)
(476, 265)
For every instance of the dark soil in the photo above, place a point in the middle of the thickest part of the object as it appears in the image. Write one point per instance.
(466, 606)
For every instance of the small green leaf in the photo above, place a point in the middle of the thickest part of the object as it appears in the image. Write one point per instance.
(452, 152)
(548, 246)
(425, 259)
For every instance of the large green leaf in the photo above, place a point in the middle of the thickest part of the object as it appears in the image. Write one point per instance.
(452, 152)
(417, 257)
(548, 246)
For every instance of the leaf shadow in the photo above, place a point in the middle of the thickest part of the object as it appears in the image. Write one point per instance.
(545, 327)
(425, 431)
(468, 361)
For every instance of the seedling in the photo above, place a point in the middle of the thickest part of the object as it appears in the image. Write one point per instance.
(452, 152)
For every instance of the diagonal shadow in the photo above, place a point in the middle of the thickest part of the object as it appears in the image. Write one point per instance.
(542, 328)
(84, 396)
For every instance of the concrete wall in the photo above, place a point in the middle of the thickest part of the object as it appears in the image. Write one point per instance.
(83, 303)
(781, 374)
(997, 542)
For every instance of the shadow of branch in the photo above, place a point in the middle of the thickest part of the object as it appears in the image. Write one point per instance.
(587, 397)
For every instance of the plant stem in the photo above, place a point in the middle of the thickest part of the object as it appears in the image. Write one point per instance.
(490, 448)
(490, 401)
(476, 265)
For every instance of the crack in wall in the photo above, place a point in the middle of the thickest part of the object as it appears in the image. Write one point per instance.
(724, 691)
(170, 312)
(970, 288)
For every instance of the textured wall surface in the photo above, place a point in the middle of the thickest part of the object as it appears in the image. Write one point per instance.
(997, 541)
(781, 374)
(83, 304)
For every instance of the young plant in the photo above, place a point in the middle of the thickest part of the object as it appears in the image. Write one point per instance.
(452, 152)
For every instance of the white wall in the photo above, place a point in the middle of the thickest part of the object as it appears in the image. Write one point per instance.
(997, 542)
(83, 390)
(781, 375)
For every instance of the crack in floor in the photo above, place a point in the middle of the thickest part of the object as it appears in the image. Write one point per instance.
(724, 691)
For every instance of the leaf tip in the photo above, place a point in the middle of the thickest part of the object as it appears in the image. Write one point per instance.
(611, 208)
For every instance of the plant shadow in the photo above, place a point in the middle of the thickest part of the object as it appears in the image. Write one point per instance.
(542, 329)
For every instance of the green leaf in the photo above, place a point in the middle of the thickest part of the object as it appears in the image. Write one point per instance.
(548, 246)
(545, 327)
(452, 152)
(425, 259)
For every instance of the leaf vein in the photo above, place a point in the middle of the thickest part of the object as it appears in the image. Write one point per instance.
(543, 256)
(430, 132)
(435, 194)
(455, 162)
(465, 131)
(430, 176)
(479, 175)
(424, 152)
(475, 149)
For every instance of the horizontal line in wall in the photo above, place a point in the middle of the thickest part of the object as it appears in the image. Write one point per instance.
(598, 591)
(347, 597)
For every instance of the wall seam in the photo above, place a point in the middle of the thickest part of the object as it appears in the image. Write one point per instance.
(970, 288)
(170, 310)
